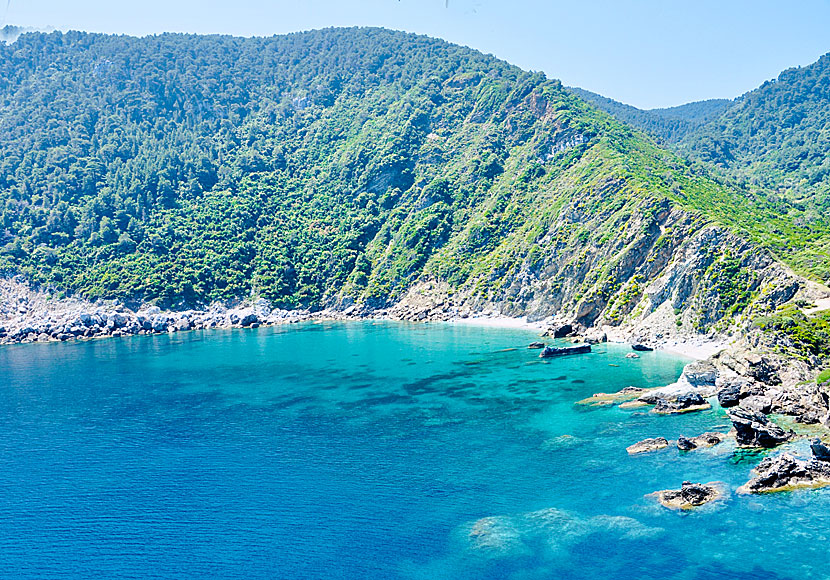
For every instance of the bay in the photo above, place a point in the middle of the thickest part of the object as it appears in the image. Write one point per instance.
(367, 450)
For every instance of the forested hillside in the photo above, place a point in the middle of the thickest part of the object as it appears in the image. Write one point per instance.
(668, 125)
(776, 137)
(337, 165)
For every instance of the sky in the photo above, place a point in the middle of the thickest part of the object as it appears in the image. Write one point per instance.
(648, 53)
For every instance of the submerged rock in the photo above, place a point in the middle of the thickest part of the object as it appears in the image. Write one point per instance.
(647, 445)
(754, 429)
(536, 345)
(690, 495)
(632, 355)
(784, 472)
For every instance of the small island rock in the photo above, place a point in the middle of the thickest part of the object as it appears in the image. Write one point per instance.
(754, 429)
(784, 472)
(647, 445)
(690, 495)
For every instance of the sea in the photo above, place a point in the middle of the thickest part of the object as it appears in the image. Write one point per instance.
(361, 450)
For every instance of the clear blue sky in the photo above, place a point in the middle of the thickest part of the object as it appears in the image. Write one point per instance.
(648, 53)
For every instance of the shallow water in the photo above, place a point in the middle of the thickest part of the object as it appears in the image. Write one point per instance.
(366, 450)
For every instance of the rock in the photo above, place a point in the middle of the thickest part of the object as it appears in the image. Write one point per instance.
(685, 403)
(641, 347)
(701, 374)
(754, 429)
(785, 472)
(730, 394)
(757, 403)
(820, 451)
(536, 345)
(647, 445)
(560, 331)
(708, 439)
(690, 495)
(632, 355)
(596, 337)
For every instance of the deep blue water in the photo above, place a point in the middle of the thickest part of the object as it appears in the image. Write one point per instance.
(366, 450)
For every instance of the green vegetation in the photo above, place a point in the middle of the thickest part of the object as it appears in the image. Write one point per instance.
(770, 143)
(345, 162)
(809, 334)
(668, 125)
(823, 377)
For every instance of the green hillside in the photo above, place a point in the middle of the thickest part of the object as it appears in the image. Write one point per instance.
(313, 167)
(668, 125)
(776, 136)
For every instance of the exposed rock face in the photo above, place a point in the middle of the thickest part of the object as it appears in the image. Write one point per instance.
(785, 472)
(690, 495)
(731, 393)
(647, 445)
(708, 439)
(754, 429)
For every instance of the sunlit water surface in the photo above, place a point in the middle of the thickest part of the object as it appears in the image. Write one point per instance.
(367, 450)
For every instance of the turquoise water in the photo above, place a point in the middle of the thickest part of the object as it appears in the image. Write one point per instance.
(366, 450)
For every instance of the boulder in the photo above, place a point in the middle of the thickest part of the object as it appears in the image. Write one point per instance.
(596, 337)
(708, 439)
(754, 429)
(690, 495)
(560, 331)
(701, 374)
(820, 451)
(731, 394)
(685, 403)
(647, 445)
(632, 355)
(641, 347)
(784, 472)
(247, 318)
(536, 345)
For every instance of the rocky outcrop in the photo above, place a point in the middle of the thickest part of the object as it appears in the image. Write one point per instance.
(695, 383)
(685, 403)
(30, 316)
(690, 495)
(647, 445)
(754, 429)
(708, 439)
(785, 472)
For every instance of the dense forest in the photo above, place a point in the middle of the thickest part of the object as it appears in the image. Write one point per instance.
(316, 167)
(668, 125)
(776, 138)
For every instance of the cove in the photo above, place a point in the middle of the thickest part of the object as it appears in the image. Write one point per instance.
(367, 450)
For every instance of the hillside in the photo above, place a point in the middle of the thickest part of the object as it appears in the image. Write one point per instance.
(668, 125)
(348, 166)
(776, 136)
(771, 143)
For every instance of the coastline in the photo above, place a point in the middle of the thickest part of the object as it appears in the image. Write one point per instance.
(29, 315)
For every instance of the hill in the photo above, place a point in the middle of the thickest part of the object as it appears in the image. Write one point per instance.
(668, 125)
(351, 166)
(775, 137)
